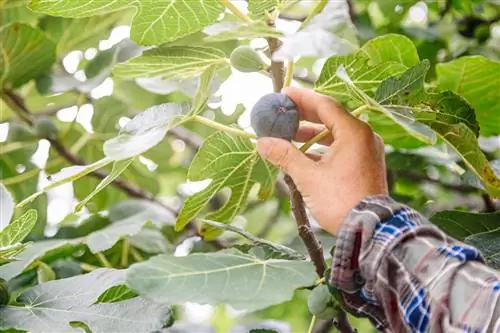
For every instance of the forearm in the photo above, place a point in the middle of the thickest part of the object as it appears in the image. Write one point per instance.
(395, 266)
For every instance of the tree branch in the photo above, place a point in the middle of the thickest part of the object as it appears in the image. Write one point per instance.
(306, 233)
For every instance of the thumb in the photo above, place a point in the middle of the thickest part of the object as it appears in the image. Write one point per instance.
(285, 156)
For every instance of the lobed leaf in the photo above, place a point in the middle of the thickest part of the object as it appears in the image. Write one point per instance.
(489, 245)
(61, 303)
(17, 230)
(171, 62)
(25, 52)
(212, 278)
(460, 224)
(475, 78)
(231, 162)
(155, 22)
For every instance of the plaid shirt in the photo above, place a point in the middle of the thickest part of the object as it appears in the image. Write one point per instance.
(393, 266)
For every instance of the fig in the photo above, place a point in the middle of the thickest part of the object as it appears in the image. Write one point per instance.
(275, 115)
(247, 60)
(4, 292)
(46, 128)
(321, 303)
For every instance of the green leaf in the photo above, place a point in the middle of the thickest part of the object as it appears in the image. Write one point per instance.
(16, 11)
(464, 142)
(6, 206)
(118, 168)
(410, 81)
(489, 245)
(215, 276)
(274, 250)
(116, 294)
(151, 240)
(460, 224)
(155, 22)
(259, 8)
(78, 34)
(364, 75)
(398, 115)
(204, 91)
(44, 273)
(26, 259)
(181, 62)
(392, 47)
(143, 132)
(18, 229)
(17, 65)
(128, 218)
(9, 253)
(476, 79)
(238, 30)
(58, 304)
(231, 162)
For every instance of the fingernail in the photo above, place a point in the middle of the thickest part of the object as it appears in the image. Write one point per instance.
(263, 146)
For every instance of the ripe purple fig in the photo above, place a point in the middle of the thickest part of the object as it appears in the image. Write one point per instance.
(275, 115)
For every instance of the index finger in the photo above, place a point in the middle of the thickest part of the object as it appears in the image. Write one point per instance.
(319, 108)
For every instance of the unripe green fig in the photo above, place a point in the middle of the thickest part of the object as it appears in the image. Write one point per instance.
(4, 292)
(247, 60)
(46, 128)
(321, 302)
(275, 115)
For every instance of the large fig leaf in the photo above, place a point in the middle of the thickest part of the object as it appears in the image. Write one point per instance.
(477, 79)
(213, 277)
(155, 22)
(461, 224)
(231, 162)
(58, 305)
(25, 52)
(18, 229)
(489, 244)
(172, 62)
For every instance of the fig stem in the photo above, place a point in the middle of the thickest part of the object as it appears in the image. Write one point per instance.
(224, 128)
(312, 324)
(289, 73)
(324, 133)
(233, 9)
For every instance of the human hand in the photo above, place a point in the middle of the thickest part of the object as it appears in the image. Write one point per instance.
(352, 168)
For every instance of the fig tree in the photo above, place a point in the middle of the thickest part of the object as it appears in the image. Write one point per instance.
(321, 303)
(275, 115)
(46, 128)
(247, 60)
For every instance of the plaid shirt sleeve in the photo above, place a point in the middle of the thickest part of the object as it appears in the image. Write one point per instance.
(393, 266)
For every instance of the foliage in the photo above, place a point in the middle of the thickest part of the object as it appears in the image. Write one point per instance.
(169, 203)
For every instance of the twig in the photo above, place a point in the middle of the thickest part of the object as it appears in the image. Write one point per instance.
(306, 233)
(229, 5)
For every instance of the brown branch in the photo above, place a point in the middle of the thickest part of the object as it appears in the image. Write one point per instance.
(312, 245)
(341, 322)
(306, 233)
